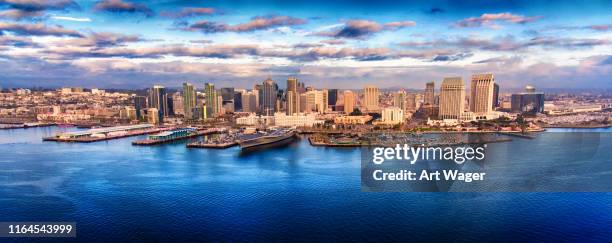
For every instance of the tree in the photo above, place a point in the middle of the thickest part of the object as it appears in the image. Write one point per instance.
(356, 112)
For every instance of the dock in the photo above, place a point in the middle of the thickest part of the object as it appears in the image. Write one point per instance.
(518, 134)
(174, 135)
(212, 145)
(6, 126)
(102, 134)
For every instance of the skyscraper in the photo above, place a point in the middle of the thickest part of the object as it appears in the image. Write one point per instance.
(495, 95)
(140, 103)
(293, 97)
(227, 99)
(370, 98)
(178, 104)
(399, 100)
(349, 101)
(189, 100)
(211, 100)
(411, 102)
(452, 98)
(333, 98)
(316, 100)
(529, 102)
(269, 95)
(158, 100)
(429, 93)
(481, 98)
(238, 100)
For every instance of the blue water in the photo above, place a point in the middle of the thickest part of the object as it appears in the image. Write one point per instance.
(116, 191)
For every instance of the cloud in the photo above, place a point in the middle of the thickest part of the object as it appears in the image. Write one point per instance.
(507, 43)
(597, 27)
(210, 51)
(333, 42)
(256, 23)
(37, 30)
(435, 10)
(490, 20)
(450, 58)
(360, 29)
(16, 41)
(603, 27)
(39, 5)
(189, 12)
(27, 9)
(18, 14)
(68, 18)
(120, 6)
(606, 61)
(399, 24)
(100, 39)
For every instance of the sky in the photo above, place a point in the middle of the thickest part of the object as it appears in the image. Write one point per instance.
(326, 44)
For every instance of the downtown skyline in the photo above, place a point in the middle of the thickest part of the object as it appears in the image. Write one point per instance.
(131, 44)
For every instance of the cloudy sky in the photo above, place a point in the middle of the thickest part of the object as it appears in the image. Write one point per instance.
(327, 44)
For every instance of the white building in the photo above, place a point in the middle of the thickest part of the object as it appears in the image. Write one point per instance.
(392, 116)
(299, 120)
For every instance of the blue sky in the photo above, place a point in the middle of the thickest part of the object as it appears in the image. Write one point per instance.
(327, 44)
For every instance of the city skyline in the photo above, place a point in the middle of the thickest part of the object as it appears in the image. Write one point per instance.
(136, 44)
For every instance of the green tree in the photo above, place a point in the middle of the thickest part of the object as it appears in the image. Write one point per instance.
(356, 112)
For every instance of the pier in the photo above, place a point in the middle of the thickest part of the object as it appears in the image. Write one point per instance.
(518, 134)
(175, 135)
(24, 125)
(212, 145)
(108, 133)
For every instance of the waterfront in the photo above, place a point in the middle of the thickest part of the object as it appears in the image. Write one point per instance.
(115, 190)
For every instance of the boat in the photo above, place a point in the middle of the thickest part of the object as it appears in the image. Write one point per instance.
(266, 138)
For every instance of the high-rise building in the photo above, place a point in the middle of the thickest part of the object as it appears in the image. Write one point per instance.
(429, 93)
(481, 98)
(178, 103)
(452, 98)
(529, 102)
(189, 100)
(227, 95)
(249, 101)
(333, 98)
(169, 105)
(370, 94)
(159, 101)
(212, 107)
(153, 116)
(316, 100)
(238, 99)
(140, 102)
(293, 97)
(411, 102)
(349, 101)
(392, 115)
(495, 95)
(399, 100)
(304, 103)
(269, 97)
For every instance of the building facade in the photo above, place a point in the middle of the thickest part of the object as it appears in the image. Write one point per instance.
(452, 98)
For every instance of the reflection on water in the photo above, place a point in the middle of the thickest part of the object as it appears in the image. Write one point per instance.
(114, 190)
